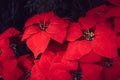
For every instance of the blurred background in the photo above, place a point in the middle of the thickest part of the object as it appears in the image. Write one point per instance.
(16, 12)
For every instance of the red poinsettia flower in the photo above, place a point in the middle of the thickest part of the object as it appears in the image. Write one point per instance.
(117, 24)
(7, 40)
(111, 69)
(92, 57)
(100, 10)
(10, 32)
(59, 71)
(115, 2)
(74, 54)
(118, 41)
(113, 12)
(25, 62)
(58, 57)
(6, 52)
(90, 71)
(42, 66)
(86, 38)
(41, 28)
(83, 71)
(99, 13)
(35, 73)
(4, 42)
(10, 70)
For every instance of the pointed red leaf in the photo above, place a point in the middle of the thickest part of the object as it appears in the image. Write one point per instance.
(10, 32)
(113, 12)
(72, 52)
(105, 46)
(57, 29)
(118, 41)
(59, 71)
(38, 43)
(56, 25)
(44, 63)
(32, 20)
(4, 43)
(117, 24)
(74, 32)
(6, 54)
(84, 47)
(25, 61)
(59, 37)
(87, 22)
(90, 71)
(102, 9)
(113, 72)
(72, 65)
(58, 57)
(15, 74)
(104, 42)
(91, 57)
(38, 18)
(30, 31)
(46, 16)
(35, 73)
(8, 63)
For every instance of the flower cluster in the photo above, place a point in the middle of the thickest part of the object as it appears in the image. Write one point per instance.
(65, 50)
(11, 66)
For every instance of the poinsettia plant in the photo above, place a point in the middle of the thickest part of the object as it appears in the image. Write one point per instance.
(62, 49)
(41, 28)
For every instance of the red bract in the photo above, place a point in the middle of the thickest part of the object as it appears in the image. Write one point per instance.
(58, 57)
(13, 35)
(92, 57)
(74, 32)
(111, 69)
(72, 52)
(59, 71)
(99, 38)
(90, 71)
(117, 24)
(47, 60)
(84, 71)
(118, 41)
(113, 12)
(42, 66)
(87, 22)
(4, 42)
(10, 32)
(5, 47)
(41, 28)
(25, 62)
(35, 73)
(99, 13)
(6, 52)
(102, 9)
(11, 71)
(115, 2)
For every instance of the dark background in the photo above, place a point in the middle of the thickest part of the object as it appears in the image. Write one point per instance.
(16, 12)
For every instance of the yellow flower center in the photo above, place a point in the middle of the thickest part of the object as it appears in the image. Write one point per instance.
(88, 35)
